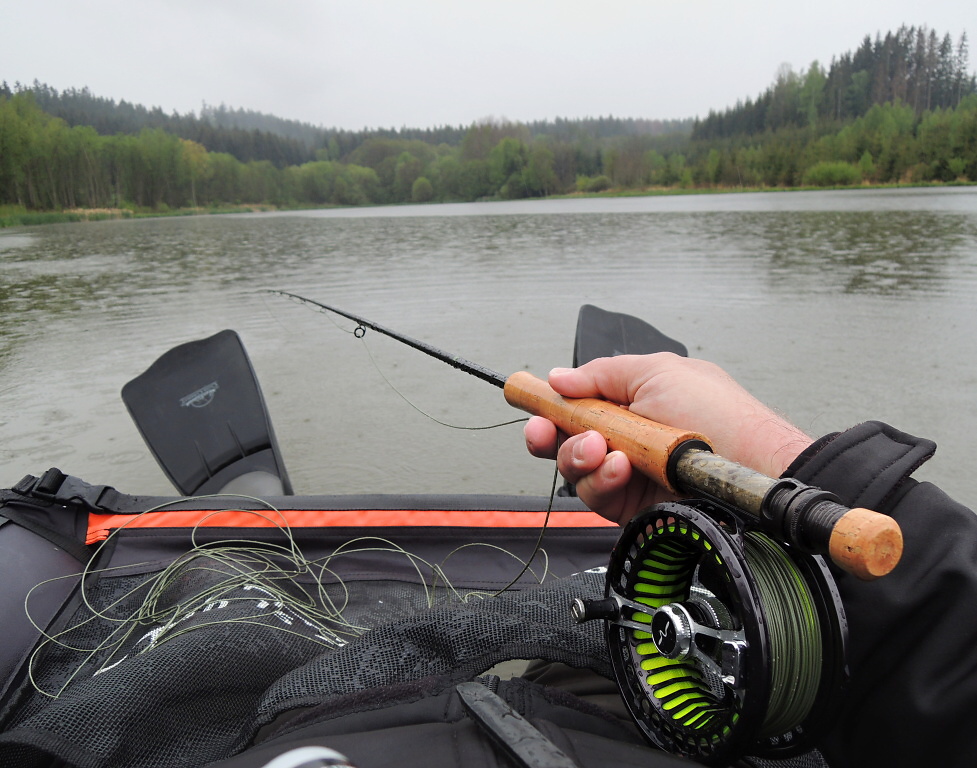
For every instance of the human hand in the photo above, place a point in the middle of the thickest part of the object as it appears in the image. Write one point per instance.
(681, 392)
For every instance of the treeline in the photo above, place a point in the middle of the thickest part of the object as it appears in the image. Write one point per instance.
(80, 107)
(912, 66)
(889, 144)
(45, 164)
(923, 129)
(244, 134)
(249, 135)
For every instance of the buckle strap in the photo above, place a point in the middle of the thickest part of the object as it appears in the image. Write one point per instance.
(23, 505)
(57, 487)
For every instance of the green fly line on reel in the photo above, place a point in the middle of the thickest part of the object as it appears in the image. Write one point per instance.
(723, 642)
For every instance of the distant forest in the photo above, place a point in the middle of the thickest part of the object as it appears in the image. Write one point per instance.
(900, 109)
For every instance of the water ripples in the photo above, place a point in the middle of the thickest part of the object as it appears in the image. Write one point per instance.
(816, 299)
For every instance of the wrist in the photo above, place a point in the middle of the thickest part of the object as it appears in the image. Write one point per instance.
(775, 445)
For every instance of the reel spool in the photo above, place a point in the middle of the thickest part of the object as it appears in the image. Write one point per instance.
(723, 642)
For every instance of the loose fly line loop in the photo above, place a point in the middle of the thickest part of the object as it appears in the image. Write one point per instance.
(269, 584)
(420, 410)
(359, 332)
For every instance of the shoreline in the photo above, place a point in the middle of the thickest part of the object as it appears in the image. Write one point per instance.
(18, 216)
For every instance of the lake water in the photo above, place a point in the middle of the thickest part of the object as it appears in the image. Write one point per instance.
(834, 307)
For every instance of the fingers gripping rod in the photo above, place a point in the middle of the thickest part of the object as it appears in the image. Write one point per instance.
(860, 541)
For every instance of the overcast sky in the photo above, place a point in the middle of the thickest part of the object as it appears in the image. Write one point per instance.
(419, 63)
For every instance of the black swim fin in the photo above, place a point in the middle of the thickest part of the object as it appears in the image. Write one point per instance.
(607, 334)
(201, 412)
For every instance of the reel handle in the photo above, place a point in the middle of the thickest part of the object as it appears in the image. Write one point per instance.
(859, 541)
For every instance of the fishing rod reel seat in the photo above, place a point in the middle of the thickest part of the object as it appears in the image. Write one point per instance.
(723, 642)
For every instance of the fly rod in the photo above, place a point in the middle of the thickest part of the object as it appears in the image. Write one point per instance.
(860, 541)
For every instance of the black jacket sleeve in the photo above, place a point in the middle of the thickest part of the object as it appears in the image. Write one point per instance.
(912, 698)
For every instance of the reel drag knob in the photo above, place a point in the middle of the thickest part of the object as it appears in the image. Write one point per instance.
(671, 631)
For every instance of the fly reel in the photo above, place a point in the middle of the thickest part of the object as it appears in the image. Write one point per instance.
(723, 642)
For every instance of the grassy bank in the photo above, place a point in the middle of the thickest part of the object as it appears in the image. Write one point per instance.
(18, 216)
(723, 190)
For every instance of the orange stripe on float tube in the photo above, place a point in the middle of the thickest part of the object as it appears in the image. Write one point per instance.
(101, 526)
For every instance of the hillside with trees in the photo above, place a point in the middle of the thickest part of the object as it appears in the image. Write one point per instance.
(901, 108)
(912, 66)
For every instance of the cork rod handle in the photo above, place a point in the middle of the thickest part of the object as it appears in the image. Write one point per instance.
(647, 443)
